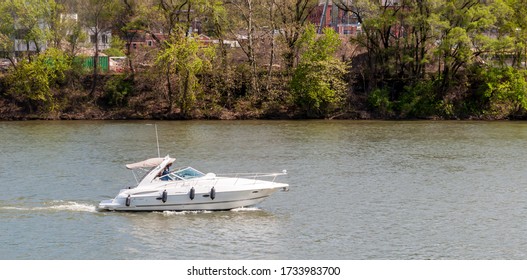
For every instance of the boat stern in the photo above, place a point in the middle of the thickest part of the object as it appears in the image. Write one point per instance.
(110, 204)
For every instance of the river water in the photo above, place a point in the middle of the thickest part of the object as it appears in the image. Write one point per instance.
(358, 190)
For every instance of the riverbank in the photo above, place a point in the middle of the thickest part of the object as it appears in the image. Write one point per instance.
(11, 112)
(122, 97)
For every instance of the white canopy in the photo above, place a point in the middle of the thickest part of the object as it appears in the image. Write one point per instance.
(149, 163)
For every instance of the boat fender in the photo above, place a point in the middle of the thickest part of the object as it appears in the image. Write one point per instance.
(212, 193)
(128, 200)
(192, 193)
(164, 197)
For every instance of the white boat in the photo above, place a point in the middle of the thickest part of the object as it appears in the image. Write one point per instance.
(189, 189)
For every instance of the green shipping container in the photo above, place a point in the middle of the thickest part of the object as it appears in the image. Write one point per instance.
(103, 63)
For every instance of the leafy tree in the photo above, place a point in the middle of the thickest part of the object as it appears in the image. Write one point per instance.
(516, 26)
(33, 81)
(378, 22)
(32, 17)
(176, 15)
(182, 60)
(462, 20)
(98, 17)
(27, 20)
(292, 17)
(504, 91)
(136, 18)
(247, 9)
(7, 32)
(66, 31)
(116, 47)
(317, 83)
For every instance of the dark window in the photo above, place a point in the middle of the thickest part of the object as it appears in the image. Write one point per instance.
(21, 33)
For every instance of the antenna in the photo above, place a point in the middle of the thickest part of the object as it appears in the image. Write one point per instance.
(157, 140)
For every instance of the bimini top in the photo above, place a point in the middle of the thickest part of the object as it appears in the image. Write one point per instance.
(149, 163)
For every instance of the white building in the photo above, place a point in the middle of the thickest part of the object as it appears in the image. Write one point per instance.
(23, 43)
(103, 41)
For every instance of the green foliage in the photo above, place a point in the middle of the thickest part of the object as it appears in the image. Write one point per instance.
(183, 59)
(29, 81)
(116, 89)
(217, 17)
(6, 45)
(317, 84)
(379, 100)
(505, 90)
(33, 81)
(116, 47)
(111, 52)
(292, 16)
(7, 30)
(419, 101)
(416, 101)
(30, 17)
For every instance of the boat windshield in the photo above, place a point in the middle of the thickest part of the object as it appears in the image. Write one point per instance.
(185, 174)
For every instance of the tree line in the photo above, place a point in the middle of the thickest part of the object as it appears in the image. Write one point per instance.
(445, 58)
(265, 59)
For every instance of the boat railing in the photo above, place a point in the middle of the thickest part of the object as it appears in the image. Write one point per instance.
(214, 179)
(254, 176)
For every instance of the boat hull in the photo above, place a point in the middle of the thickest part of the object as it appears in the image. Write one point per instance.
(181, 201)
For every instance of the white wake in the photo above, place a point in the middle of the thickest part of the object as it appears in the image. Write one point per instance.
(57, 205)
(246, 209)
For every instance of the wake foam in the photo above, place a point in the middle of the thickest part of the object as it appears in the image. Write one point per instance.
(246, 209)
(178, 213)
(57, 205)
(74, 206)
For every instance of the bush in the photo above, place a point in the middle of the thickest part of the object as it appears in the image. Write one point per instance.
(116, 89)
(419, 100)
(504, 90)
(379, 100)
(32, 82)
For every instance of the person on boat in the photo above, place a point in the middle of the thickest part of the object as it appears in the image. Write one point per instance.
(165, 172)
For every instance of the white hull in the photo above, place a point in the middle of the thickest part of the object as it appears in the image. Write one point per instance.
(181, 201)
